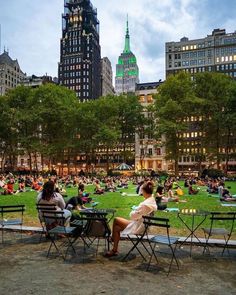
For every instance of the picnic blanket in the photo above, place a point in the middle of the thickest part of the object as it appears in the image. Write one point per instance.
(171, 210)
(228, 205)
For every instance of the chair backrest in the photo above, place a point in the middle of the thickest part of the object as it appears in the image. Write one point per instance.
(44, 207)
(52, 219)
(150, 221)
(7, 209)
(223, 219)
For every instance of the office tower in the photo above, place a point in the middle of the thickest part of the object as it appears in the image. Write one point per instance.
(107, 87)
(10, 73)
(80, 58)
(127, 72)
(216, 52)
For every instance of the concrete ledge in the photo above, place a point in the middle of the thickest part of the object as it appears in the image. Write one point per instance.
(212, 242)
(32, 229)
(200, 242)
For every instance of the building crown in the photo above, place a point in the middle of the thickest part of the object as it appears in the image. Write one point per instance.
(127, 38)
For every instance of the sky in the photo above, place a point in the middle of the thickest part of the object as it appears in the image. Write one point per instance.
(31, 30)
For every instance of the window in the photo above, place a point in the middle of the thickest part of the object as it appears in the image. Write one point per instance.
(150, 151)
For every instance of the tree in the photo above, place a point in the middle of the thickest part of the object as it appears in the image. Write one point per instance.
(175, 102)
(56, 112)
(130, 119)
(108, 133)
(218, 111)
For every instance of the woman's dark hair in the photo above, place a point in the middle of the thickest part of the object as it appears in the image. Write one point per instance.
(48, 190)
(148, 187)
(81, 187)
(160, 189)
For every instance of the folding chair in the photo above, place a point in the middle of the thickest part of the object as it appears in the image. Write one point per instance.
(166, 239)
(225, 222)
(11, 210)
(56, 228)
(96, 228)
(136, 240)
(40, 208)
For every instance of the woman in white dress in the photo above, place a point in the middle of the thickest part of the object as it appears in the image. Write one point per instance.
(135, 224)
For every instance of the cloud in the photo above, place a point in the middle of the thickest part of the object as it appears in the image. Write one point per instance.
(32, 30)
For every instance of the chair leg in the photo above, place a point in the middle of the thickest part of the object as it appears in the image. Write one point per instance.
(226, 246)
(135, 244)
(151, 256)
(70, 245)
(173, 258)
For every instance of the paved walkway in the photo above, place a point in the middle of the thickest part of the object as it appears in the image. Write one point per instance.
(25, 269)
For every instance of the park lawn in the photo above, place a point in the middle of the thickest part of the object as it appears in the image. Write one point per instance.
(123, 203)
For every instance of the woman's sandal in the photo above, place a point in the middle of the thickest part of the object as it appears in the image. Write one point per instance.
(111, 253)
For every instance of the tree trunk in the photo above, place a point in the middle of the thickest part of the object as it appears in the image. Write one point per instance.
(227, 152)
(36, 162)
(30, 161)
(177, 167)
(217, 147)
(107, 155)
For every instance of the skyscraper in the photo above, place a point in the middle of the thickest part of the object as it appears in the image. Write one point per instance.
(80, 58)
(107, 87)
(127, 72)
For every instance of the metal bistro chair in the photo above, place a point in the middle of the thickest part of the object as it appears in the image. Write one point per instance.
(166, 239)
(11, 210)
(225, 225)
(56, 228)
(96, 228)
(137, 239)
(40, 208)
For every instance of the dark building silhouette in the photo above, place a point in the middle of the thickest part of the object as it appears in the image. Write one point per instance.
(80, 57)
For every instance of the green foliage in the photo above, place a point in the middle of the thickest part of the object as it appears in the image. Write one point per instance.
(213, 173)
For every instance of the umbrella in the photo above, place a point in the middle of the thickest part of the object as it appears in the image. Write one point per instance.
(123, 166)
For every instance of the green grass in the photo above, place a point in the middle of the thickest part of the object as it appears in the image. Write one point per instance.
(123, 204)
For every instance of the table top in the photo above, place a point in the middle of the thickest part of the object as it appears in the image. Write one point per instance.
(193, 212)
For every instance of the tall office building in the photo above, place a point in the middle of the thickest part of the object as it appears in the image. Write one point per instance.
(80, 58)
(107, 87)
(10, 73)
(216, 52)
(127, 72)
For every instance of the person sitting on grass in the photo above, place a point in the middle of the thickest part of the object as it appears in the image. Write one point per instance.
(226, 195)
(77, 203)
(159, 196)
(171, 197)
(135, 224)
(9, 187)
(192, 191)
(98, 190)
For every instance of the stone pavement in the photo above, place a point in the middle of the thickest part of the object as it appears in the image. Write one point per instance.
(25, 269)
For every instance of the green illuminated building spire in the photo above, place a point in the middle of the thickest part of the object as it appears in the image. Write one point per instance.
(127, 71)
(127, 39)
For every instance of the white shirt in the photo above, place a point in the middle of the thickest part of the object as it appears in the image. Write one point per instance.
(136, 225)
